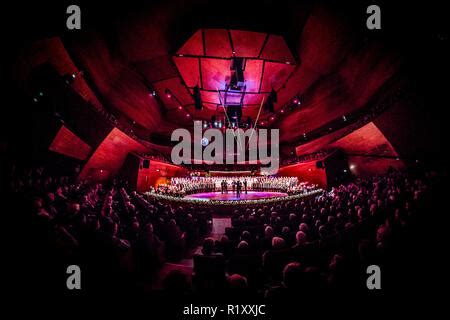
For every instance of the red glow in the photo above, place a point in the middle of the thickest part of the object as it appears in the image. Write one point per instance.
(69, 144)
(209, 66)
(158, 173)
(110, 156)
(306, 171)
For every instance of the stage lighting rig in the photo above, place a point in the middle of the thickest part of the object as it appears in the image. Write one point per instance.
(237, 73)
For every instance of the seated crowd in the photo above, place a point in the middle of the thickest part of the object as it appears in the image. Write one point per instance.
(101, 226)
(324, 241)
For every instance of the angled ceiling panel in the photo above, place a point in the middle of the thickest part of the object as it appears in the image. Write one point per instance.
(110, 155)
(210, 97)
(189, 70)
(277, 49)
(275, 75)
(215, 73)
(194, 45)
(69, 144)
(217, 42)
(367, 140)
(247, 43)
(252, 75)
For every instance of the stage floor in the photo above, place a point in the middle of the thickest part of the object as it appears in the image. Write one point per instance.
(251, 195)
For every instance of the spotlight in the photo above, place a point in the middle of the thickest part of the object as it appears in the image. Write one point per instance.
(282, 111)
(352, 166)
(168, 93)
(180, 107)
(272, 118)
(188, 115)
(153, 93)
(295, 100)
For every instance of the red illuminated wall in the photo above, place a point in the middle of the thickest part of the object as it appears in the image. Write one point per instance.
(306, 171)
(158, 173)
(109, 157)
(69, 144)
(369, 151)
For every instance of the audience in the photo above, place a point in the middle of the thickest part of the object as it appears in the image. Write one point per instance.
(313, 242)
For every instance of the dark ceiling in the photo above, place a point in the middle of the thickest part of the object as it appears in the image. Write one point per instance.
(338, 66)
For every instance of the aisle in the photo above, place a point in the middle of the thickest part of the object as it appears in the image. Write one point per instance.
(186, 265)
(219, 225)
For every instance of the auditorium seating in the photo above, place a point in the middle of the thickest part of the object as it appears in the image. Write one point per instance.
(330, 236)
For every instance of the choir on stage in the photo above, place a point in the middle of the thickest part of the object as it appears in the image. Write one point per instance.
(180, 187)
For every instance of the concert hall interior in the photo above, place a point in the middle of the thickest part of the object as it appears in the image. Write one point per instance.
(355, 144)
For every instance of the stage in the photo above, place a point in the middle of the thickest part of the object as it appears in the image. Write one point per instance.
(230, 196)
